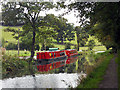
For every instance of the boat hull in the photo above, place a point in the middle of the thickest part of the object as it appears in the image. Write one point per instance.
(48, 61)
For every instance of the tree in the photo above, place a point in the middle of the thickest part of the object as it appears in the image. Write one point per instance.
(82, 36)
(69, 32)
(45, 35)
(59, 25)
(67, 46)
(28, 12)
(10, 13)
(105, 23)
(91, 44)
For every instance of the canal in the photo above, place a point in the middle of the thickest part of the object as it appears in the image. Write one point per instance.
(61, 74)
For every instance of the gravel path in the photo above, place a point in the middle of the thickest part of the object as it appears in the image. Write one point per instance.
(110, 78)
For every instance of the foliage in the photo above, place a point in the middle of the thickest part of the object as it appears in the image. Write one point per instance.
(91, 44)
(26, 42)
(64, 30)
(45, 35)
(105, 23)
(49, 45)
(9, 13)
(67, 46)
(28, 12)
(11, 46)
(13, 66)
(82, 36)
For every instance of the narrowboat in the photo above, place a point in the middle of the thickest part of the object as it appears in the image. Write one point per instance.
(51, 56)
(71, 52)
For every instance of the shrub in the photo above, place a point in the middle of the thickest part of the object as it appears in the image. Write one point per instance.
(11, 46)
(13, 66)
(48, 46)
(67, 46)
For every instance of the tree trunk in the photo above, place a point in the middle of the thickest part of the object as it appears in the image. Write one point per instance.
(57, 41)
(77, 42)
(33, 45)
(62, 41)
(78, 45)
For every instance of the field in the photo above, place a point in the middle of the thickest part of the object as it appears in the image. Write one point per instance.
(7, 36)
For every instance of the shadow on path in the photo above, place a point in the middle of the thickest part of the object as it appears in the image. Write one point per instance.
(110, 79)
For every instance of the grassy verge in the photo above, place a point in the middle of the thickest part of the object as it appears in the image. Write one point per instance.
(98, 70)
(118, 62)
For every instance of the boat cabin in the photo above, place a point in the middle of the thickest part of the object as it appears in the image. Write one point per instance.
(71, 52)
(50, 54)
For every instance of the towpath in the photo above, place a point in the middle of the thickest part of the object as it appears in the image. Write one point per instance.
(110, 78)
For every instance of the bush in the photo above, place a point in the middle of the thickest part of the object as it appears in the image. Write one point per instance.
(48, 46)
(75, 47)
(13, 66)
(67, 46)
(11, 46)
(37, 47)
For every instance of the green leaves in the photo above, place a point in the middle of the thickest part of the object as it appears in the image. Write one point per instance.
(104, 23)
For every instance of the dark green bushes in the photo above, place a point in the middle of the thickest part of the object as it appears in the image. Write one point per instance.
(11, 46)
(13, 66)
(67, 46)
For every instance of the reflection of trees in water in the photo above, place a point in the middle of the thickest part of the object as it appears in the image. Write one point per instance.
(61, 69)
(81, 66)
(71, 68)
(77, 66)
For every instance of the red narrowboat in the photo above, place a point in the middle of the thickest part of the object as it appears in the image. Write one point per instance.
(71, 52)
(51, 56)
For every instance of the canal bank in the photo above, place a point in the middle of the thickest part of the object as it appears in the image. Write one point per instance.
(96, 76)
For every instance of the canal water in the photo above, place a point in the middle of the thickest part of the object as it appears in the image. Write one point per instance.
(61, 74)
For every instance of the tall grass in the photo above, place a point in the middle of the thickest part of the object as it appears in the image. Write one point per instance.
(96, 72)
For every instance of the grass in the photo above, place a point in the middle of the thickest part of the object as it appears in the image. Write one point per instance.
(21, 53)
(118, 69)
(15, 53)
(98, 70)
(99, 48)
(8, 35)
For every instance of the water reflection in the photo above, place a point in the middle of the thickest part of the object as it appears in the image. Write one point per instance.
(69, 75)
(74, 64)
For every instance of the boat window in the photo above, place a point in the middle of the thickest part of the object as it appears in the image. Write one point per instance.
(51, 54)
(62, 53)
